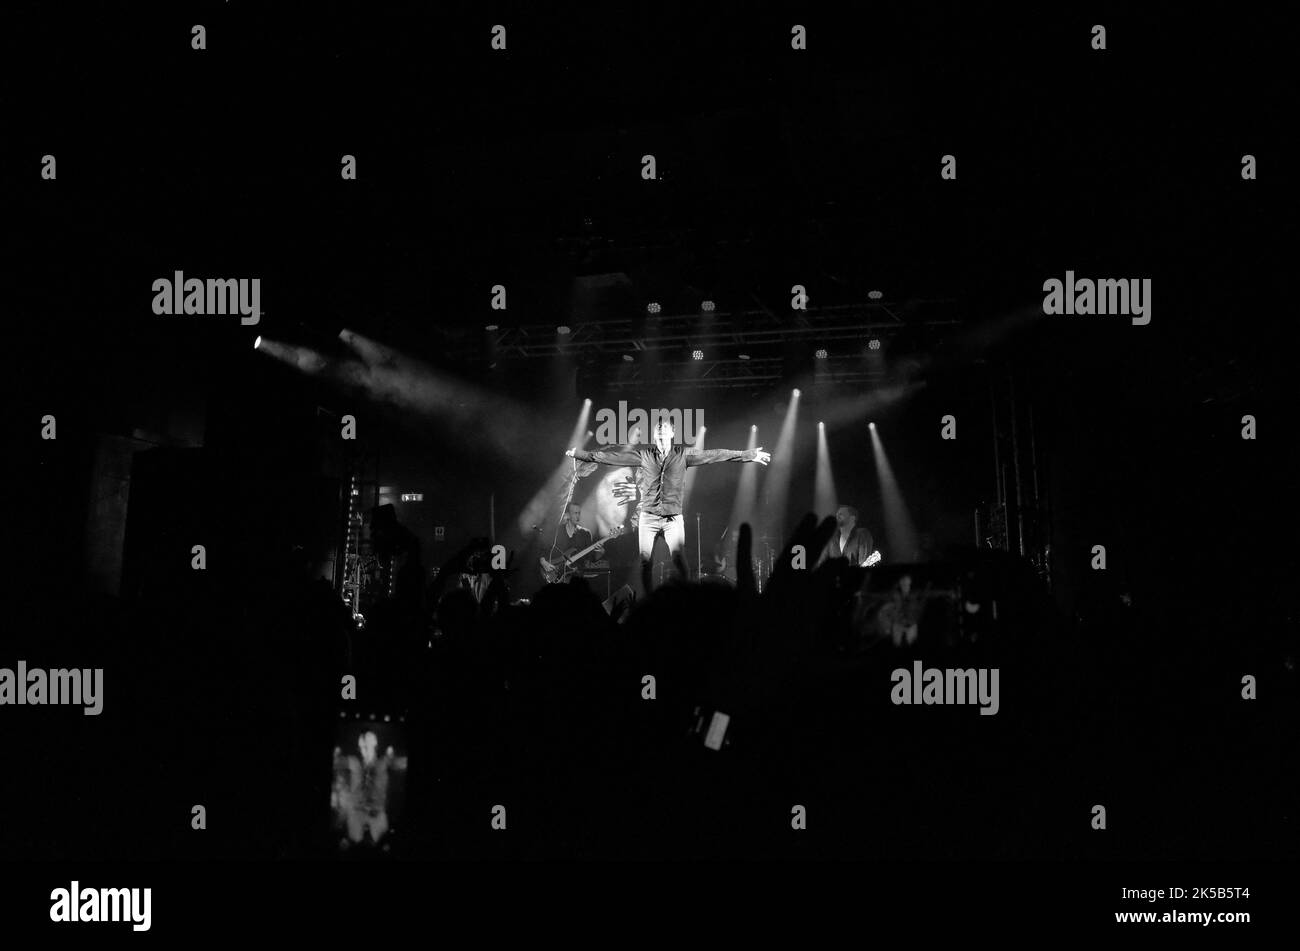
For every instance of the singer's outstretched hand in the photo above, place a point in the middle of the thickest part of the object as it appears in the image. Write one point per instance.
(569, 452)
(761, 457)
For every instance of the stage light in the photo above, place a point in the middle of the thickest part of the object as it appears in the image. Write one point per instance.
(874, 344)
(754, 427)
(820, 424)
(872, 425)
(820, 354)
(258, 342)
(697, 354)
(707, 306)
(744, 356)
(628, 358)
(491, 327)
(795, 393)
(652, 308)
(874, 295)
(562, 329)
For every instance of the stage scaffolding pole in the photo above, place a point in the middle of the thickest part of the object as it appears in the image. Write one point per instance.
(1015, 464)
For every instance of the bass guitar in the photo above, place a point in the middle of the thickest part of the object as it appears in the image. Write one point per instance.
(560, 568)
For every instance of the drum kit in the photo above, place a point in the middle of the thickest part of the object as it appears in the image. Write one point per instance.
(763, 555)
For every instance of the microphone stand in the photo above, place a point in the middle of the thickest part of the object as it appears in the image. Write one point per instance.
(573, 484)
(697, 546)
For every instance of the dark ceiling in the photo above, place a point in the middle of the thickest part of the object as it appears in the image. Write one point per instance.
(523, 168)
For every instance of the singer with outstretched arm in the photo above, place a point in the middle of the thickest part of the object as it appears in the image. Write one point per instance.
(661, 478)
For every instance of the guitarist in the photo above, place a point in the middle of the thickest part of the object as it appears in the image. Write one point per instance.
(575, 538)
(850, 540)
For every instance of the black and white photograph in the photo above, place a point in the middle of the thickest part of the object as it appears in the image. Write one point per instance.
(459, 440)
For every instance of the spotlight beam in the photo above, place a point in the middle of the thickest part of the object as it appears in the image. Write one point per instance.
(385, 375)
(742, 510)
(776, 486)
(552, 491)
(853, 410)
(824, 498)
(900, 532)
(372, 352)
(691, 472)
(304, 359)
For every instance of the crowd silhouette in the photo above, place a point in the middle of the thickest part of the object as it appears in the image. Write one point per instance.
(589, 727)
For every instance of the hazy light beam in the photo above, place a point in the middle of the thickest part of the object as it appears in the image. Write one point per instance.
(900, 532)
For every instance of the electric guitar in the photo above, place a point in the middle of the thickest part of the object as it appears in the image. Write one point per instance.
(560, 568)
